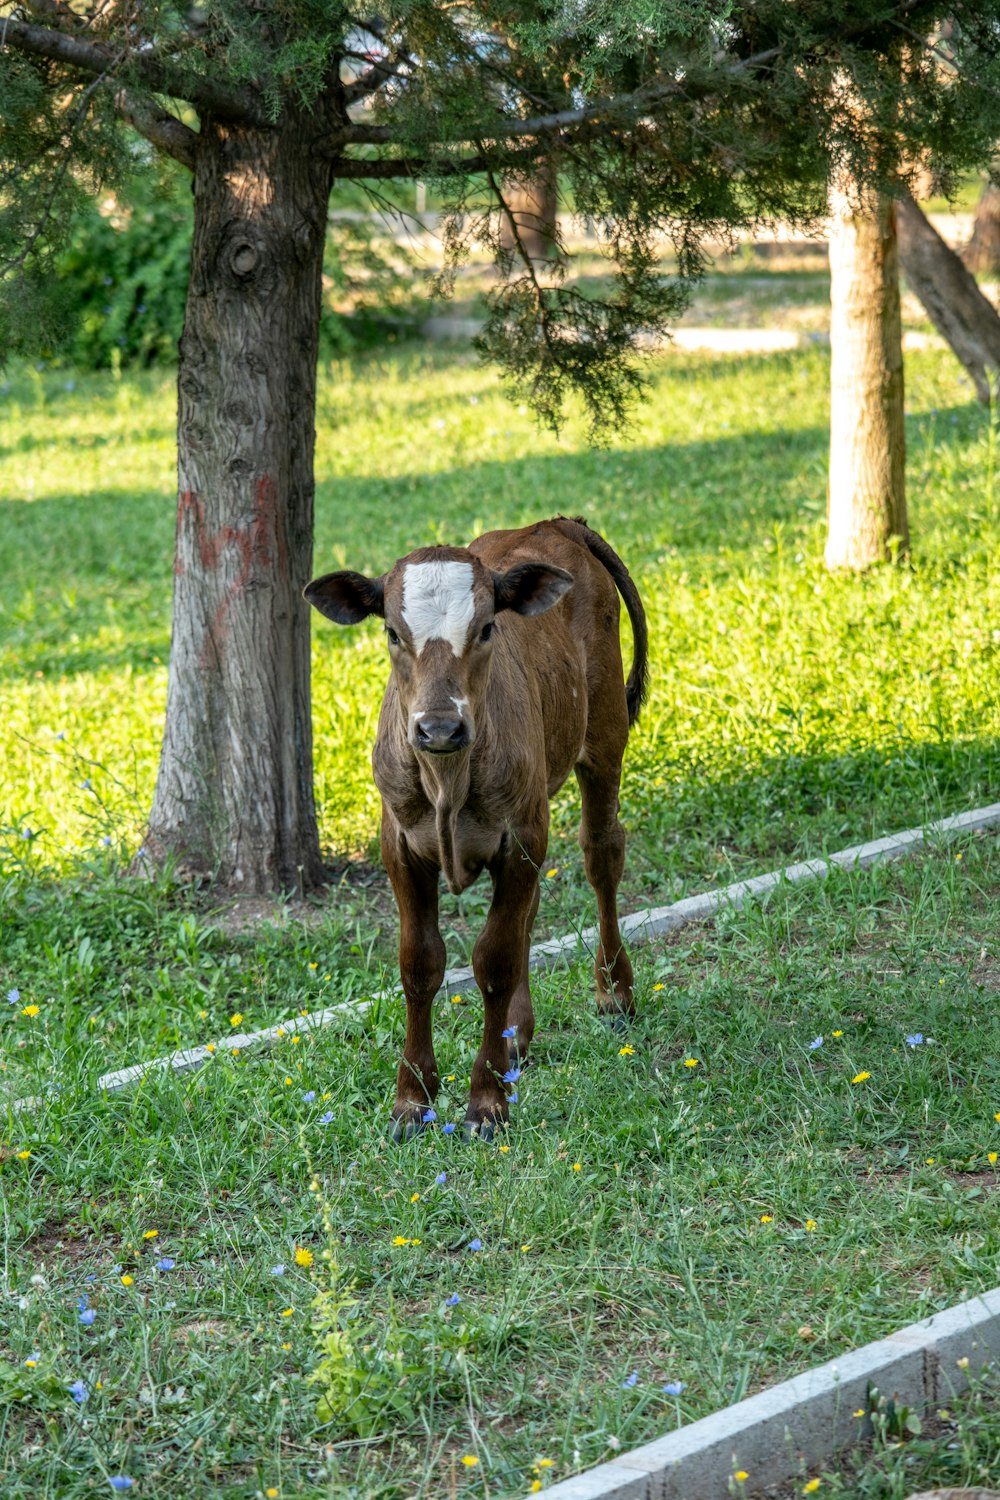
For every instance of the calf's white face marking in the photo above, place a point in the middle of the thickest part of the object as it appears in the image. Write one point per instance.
(438, 603)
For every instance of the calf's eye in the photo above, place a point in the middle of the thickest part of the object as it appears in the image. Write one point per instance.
(393, 637)
(486, 631)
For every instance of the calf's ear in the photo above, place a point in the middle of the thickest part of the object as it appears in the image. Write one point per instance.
(346, 597)
(530, 588)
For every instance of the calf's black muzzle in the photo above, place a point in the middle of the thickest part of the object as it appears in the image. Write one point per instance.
(440, 735)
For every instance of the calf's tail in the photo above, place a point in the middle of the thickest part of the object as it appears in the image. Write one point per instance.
(637, 683)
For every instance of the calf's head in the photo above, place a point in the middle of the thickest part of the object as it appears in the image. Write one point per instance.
(439, 605)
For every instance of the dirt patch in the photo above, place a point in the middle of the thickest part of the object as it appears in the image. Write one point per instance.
(63, 1245)
(361, 886)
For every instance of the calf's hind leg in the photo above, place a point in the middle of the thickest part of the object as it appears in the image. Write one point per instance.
(602, 839)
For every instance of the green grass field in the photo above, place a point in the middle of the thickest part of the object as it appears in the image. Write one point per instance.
(720, 1206)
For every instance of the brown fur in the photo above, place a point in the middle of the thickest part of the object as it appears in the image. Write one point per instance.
(544, 697)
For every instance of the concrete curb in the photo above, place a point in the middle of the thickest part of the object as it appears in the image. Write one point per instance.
(640, 927)
(805, 1421)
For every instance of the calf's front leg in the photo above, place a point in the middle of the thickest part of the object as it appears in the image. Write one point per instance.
(421, 969)
(497, 962)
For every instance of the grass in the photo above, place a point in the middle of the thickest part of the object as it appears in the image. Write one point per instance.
(791, 712)
(720, 1223)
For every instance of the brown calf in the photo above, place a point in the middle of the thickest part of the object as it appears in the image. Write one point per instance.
(506, 676)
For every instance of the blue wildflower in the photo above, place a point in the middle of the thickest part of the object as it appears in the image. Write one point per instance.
(476, 1244)
(119, 1481)
(61, 735)
(673, 1387)
(309, 1096)
(78, 1390)
(441, 1179)
(278, 1270)
(429, 1116)
(509, 1031)
(82, 1303)
(512, 1098)
(630, 1380)
(512, 1075)
(13, 996)
(453, 1300)
(449, 1129)
(86, 785)
(106, 840)
(915, 1039)
(88, 1317)
(326, 1119)
(817, 1041)
(167, 1263)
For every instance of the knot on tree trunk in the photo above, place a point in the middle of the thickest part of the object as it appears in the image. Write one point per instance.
(244, 259)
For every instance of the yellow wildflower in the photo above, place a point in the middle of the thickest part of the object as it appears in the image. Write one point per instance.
(469, 1460)
(236, 1018)
(127, 1280)
(860, 1077)
(690, 1062)
(30, 1010)
(303, 1257)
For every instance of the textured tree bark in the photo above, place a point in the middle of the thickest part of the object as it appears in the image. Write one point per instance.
(234, 797)
(982, 253)
(950, 295)
(866, 510)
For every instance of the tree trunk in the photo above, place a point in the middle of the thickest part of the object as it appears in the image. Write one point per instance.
(234, 796)
(866, 512)
(950, 295)
(533, 201)
(982, 253)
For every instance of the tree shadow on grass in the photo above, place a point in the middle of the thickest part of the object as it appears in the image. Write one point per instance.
(697, 500)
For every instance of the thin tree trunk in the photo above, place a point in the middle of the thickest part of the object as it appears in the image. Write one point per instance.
(866, 512)
(982, 253)
(950, 295)
(533, 202)
(234, 796)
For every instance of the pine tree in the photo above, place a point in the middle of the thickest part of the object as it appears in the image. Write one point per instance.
(670, 122)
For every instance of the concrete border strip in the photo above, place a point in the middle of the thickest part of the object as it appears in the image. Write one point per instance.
(805, 1421)
(640, 927)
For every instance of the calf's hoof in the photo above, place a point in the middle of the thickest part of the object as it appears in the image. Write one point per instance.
(617, 1021)
(406, 1126)
(484, 1125)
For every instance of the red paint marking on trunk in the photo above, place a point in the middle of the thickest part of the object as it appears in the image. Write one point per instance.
(261, 543)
